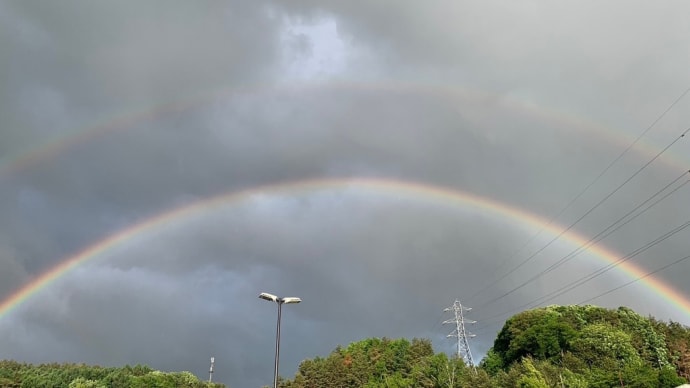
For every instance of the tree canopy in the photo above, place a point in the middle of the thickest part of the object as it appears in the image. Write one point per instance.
(555, 346)
(21, 375)
(549, 347)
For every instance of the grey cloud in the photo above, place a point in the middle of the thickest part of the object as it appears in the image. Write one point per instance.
(520, 103)
(14, 273)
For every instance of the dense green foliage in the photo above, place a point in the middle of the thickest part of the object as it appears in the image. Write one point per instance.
(551, 347)
(374, 363)
(19, 375)
(556, 346)
(591, 347)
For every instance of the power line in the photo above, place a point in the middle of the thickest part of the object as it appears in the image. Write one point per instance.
(636, 280)
(582, 192)
(571, 286)
(578, 196)
(620, 223)
(574, 284)
(678, 261)
(601, 235)
(577, 283)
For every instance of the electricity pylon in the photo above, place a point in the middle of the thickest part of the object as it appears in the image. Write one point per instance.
(460, 333)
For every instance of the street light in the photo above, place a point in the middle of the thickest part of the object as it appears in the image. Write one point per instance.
(280, 302)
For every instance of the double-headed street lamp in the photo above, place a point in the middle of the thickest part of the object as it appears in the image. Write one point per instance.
(280, 302)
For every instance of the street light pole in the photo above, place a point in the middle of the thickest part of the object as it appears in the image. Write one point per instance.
(279, 302)
(277, 357)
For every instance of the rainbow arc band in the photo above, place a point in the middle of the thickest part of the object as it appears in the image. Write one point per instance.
(59, 144)
(395, 188)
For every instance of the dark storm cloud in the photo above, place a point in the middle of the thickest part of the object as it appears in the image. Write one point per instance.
(280, 243)
(617, 63)
(120, 51)
(13, 273)
(358, 100)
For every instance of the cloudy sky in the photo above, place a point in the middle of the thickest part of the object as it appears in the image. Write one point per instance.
(378, 159)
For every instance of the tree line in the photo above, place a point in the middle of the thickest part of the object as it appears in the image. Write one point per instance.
(21, 375)
(556, 346)
(549, 347)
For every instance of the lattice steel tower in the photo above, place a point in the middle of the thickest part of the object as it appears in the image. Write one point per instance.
(462, 335)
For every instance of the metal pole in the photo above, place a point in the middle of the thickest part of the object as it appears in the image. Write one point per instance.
(275, 371)
(210, 370)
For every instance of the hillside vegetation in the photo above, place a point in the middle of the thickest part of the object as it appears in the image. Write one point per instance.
(20, 375)
(556, 346)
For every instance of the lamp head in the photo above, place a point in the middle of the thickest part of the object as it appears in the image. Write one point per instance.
(291, 299)
(269, 297)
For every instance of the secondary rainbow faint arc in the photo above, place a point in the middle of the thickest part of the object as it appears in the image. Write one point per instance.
(413, 190)
(59, 144)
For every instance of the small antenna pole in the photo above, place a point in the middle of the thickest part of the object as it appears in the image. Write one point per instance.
(210, 370)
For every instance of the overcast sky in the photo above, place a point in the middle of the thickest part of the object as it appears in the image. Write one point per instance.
(116, 112)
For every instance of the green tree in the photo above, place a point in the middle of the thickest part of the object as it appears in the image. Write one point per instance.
(81, 382)
(602, 345)
(539, 333)
(492, 363)
(531, 377)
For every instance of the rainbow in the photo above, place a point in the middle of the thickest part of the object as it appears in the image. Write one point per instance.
(59, 144)
(397, 188)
